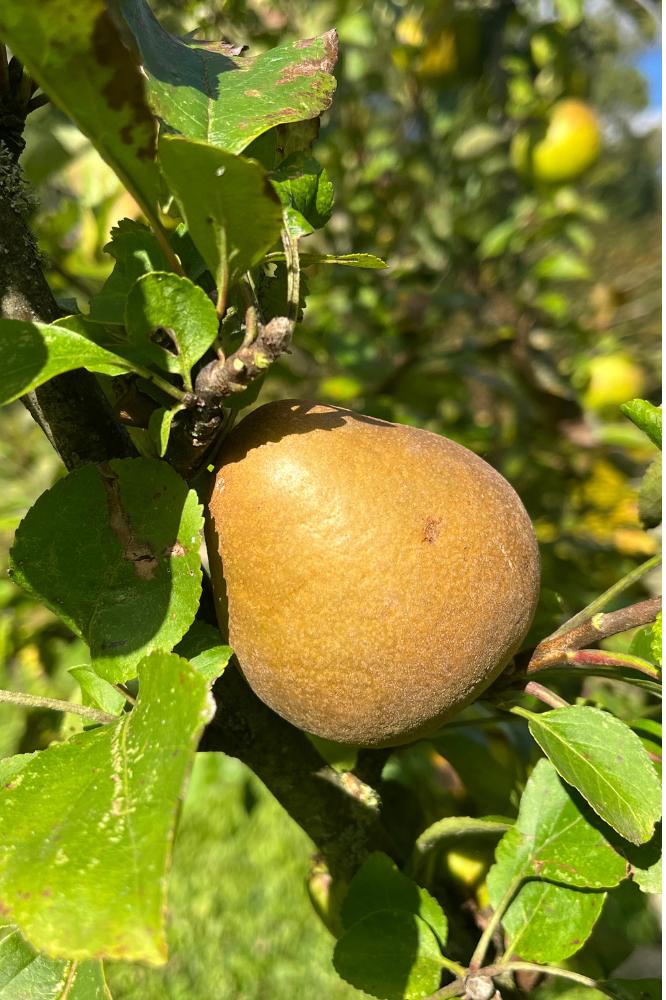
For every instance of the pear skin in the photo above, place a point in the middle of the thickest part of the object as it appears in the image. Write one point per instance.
(378, 576)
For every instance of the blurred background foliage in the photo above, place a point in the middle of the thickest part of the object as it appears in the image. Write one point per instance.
(516, 314)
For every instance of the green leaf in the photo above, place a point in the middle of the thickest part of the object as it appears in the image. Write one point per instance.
(363, 260)
(496, 241)
(27, 975)
(380, 885)
(646, 417)
(159, 428)
(340, 756)
(547, 922)
(305, 191)
(33, 353)
(232, 212)
(98, 845)
(453, 827)
(76, 53)
(656, 646)
(489, 777)
(113, 550)
(207, 91)
(171, 321)
(391, 955)
(98, 692)
(202, 647)
(136, 252)
(554, 839)
(649, 495)
(477, 141)
(601, 757)
(562, 267)
(569, 12)
(646, 642)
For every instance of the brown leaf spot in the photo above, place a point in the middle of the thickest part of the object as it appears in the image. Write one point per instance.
(177, 549)
(125, 87)
(330, 42)
(431, 529)
(253, 93)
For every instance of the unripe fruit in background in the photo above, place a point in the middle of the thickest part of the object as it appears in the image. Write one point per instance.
(468, 865)
(378, 576)
(570, 146)
(445, 53)
(613, 379)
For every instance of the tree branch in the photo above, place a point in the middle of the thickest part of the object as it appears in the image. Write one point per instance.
(555, 649)
(71, 409)
(338, 811)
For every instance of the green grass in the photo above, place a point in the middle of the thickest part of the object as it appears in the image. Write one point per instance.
(241, 926)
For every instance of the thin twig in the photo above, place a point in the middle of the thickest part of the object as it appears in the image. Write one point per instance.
(455, 968)
(293, 272)
(599, 603)
(56, 705)
(222, 291)
(494, 922)
(555, 648)
(545, 695)
(546, 970)
(127, 695)
(602, 657)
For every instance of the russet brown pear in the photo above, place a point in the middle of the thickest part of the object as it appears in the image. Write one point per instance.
(378, 577)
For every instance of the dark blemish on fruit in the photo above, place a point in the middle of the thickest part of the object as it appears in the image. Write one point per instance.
(431, 530)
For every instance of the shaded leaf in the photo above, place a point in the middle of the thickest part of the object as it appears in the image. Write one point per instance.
(203, 647)
(76, 54)
(27, 975)
(159, 428)
(453, 827)
(232, 213)
(633, 989)
(98, 844)
(380, 885)
(646, 416)
(206, 91)
(136, 252)
(33, 353)
(170, 321)
(98, 692)
(601, 757)
(390, 955)
(113, 550)
(305, 191)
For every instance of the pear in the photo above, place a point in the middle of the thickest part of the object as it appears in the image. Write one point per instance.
(377, 577)
(570, 146)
